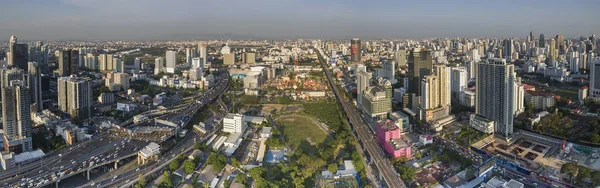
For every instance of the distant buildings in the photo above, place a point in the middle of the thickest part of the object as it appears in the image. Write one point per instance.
(18, 53)
(159, 64)
(117, 81)
(388, 136)
(34, 82)
(228, 59)
(249, 58)
(234, 123)
(75, 96)
(105, 62)
(388, 71)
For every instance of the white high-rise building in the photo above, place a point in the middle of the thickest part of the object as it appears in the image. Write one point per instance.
(459, 81)
(495, 93)
(475, 55)
(189, 54)
(16, 116)
(595, 80)
(158, 65)
(90, 61)
(234, 123)
(203, 54)
(388, 71)
(137, 63)
(363, 80)
(471, 69)
(171, 57)
(197, 62)
(519, 93)
(225, 49)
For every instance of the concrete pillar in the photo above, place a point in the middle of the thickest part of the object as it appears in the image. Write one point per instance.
(116, 164)
(57, 183)
(88, 174)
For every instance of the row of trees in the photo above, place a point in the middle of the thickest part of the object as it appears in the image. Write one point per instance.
(577, 174)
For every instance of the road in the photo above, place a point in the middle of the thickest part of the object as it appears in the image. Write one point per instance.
(384, 166)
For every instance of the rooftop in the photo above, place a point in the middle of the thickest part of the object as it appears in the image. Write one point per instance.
(538, 93)
(387, 125)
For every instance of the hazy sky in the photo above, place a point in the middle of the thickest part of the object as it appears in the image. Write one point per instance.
(281, 19)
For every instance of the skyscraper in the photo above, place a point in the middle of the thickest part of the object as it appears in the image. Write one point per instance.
(508, 45)
(189, 54)
(203, 53)
(158, 65)
(363, 81)
(355, 50)
(388, 71)
(542, 43)
(560, 44)
(420, 64)
(75, 96)
(90, 61)
(16, 117)
(38, 53)
(10, 73)
(595, 80)
(459, 81)
(401, 57)
(171, 57)
(495, 94)
(68, 62)
(531, 36)
(18, 54)
(34, 83)
(552, 51)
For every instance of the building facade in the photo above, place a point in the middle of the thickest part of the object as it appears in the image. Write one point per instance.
(495, 94)
(75, 96)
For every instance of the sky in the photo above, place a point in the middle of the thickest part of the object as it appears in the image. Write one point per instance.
(293, 19)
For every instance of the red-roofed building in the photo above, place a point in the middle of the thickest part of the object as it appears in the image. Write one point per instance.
(540, 100)
(528, 87)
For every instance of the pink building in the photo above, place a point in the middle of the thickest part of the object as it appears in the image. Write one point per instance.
(388, 136)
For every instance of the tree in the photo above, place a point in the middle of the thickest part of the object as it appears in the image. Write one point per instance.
(189, 166)
(167, 181)
(142, 180)
(595, 138)
(569, 169)
(226, 183)
(406, 173)
(241, 178)
(333, 167)
(595, 176)
(174, 165)
(257, 172)
(235, 162)
(583, 173)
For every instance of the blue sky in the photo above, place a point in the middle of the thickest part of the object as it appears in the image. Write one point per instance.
(281, 19)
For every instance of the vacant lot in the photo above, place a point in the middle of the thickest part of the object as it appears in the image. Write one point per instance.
(301, 132)
(564, 93)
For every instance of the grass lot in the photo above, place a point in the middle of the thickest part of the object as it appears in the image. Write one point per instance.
(301, 132)
(573, 94)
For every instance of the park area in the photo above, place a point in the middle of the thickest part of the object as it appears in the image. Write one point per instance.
(302, 132)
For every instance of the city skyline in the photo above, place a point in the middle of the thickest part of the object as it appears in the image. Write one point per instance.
(268, 19)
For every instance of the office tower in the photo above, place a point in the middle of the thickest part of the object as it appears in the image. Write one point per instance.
(234, 123)
(171, 58)
(363, 81)
(188, 56)
(387, 71)
(136, 63)
(67, 62)
(377, 100)
(494, 96)
(542, 43)
(355, 50)
(508, 48)
(595, 80)
(475, 55)
(90, 61)
(102, 62)
(158, 65)
(16, 117)
(401, 58)
(39, 53)
(420, 64)
(18, 53)
(34, 82)
(560, 44)
(228, 59)
(459, 81)
(203, 53)
(531, 36)
(249, 58)
(435, 96)
(552, 52)
(75, 96)
(197, 62)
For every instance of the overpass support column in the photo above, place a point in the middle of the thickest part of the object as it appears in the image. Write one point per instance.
(57, 183)
(88, 175)
(116, 164)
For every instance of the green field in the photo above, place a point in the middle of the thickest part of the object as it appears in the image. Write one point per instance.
(563, 93)
(301, 132)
